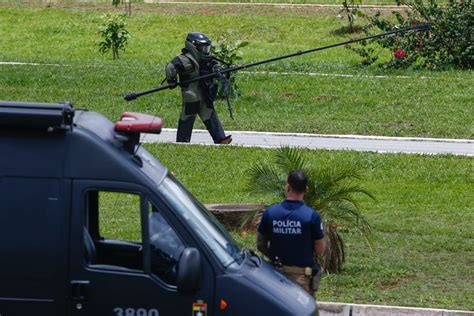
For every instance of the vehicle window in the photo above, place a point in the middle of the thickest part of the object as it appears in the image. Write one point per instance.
(119, 216)
(112, 231)
(201, 221)
(166, 246)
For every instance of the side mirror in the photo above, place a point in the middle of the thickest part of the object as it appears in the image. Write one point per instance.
(189, 270)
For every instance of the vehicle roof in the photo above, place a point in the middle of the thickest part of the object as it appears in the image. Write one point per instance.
(90, 150)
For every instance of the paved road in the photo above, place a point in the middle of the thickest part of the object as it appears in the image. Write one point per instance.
(462, 147)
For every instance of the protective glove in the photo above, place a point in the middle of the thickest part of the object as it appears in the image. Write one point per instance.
(217, 68)
(173, 83)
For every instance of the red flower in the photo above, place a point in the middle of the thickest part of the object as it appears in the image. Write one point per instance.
(399, 53)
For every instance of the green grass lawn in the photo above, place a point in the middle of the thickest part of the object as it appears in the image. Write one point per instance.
(426, 104)
(423, 220)
(424, 216)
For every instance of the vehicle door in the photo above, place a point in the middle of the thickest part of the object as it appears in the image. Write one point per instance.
(34, 213)
(125, 246)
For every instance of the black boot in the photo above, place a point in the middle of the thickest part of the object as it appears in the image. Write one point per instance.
(214, 127)
(226, 140)
(185, 129)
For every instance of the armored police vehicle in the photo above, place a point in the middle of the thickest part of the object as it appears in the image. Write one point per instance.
(92, 224)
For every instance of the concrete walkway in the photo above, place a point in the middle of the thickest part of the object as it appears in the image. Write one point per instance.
(381, 144)
(339, 309)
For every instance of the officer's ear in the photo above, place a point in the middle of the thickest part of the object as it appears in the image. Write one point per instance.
(287, 188)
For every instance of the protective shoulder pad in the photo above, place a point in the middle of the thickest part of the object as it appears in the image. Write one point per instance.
(188, 62)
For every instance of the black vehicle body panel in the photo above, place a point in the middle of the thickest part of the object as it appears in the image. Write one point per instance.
(266, 292)
(45, 179)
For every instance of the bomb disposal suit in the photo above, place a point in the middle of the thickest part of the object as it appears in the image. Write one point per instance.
(197, 97)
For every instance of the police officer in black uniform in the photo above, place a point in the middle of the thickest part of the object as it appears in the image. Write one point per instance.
(291, 235)
(197, 97)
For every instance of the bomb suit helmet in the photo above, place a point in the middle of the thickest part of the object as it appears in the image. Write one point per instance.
(198, 43)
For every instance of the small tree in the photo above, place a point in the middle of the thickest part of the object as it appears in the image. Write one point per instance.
(128, 8)
(114, 34)
(228, 49)
(332, 192)
(350, 8)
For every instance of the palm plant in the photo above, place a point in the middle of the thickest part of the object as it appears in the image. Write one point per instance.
(332, 192)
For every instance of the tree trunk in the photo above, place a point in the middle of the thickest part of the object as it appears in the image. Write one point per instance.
(115, 52)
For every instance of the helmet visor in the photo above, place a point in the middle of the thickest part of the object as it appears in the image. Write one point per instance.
(204, 48)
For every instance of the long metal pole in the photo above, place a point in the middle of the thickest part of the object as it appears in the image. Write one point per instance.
(133, 96)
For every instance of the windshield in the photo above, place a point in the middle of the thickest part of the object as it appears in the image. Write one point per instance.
(201, 221)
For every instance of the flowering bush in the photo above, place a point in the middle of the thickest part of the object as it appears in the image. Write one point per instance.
(449, 42)
(399, 53)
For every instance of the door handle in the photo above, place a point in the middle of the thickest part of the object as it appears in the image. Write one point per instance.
(79, 290)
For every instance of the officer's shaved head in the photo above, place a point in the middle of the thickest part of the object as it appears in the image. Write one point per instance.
(297, 181)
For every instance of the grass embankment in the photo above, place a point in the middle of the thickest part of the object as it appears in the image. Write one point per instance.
(136, 3)
(422, 104)
(423, 221)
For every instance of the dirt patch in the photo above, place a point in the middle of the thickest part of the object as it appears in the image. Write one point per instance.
(344, 30)
(191, 8)
(236, 216)
(325, 97)
(399, 126)
(395, 282)
(289, 95)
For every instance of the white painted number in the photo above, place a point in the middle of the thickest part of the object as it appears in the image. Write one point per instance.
(135, 312)
(142, 312)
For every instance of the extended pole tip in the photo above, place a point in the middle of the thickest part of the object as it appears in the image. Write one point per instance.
(422, 27)
(130, 96)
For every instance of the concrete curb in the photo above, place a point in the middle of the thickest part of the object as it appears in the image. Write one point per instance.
(341, 309)
(348, 136)
(379, 144)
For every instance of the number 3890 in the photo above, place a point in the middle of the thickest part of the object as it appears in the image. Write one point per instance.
(136, 312)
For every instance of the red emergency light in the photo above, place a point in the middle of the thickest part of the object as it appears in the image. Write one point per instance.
(131, 122)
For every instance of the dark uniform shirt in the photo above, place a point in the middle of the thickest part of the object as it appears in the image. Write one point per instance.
(292, 228)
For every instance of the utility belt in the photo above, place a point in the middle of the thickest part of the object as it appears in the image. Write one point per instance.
(300, 270)
(314, 273)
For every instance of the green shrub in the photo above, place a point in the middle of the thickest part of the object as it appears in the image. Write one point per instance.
(228, 50)
(449, 43)
(114, 34)
(334, 192)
